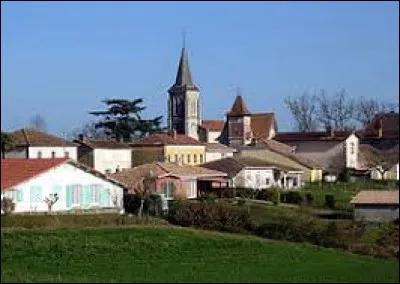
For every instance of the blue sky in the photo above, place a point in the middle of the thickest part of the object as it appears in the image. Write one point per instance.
(61, 59)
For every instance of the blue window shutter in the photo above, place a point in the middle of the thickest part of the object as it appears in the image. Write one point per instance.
(20, 195)
(69, 196)
(57, 189)
(36, 194)
(86, 196)
(104, 197)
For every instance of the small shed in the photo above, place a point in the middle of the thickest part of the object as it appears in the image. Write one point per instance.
(376, 206)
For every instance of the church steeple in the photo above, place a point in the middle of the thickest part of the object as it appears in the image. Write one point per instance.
(184, 76)
(184, 101)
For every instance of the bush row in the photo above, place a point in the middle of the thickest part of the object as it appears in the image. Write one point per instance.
(278, 195)
(226, 217)
(75, 221)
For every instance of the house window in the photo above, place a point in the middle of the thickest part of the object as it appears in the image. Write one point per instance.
(66, 154)
(267, 182)
(195, 158)
(188, 158)
(182, 158)
(53, 154)
(201, 158)
(191, 189)
(76, 194)
(39, 154)
(36, 194)
(169, 190)
(223, 155)
(176, 158)
(352, 148)
(169, 158)
(108, 171)
(95, 193)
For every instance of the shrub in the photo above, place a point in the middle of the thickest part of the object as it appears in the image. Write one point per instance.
(330, 201)
(208, 198)
(216, 216)
(309, 198)
(152, 204)
(228, 193)
(7, 205)
(244, 192)
(264, 194)
(292, 197)
(275, 196)
(241, 202)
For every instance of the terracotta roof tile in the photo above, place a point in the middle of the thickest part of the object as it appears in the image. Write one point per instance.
(131, 177)
(261, 124)
(32, 137)
(376, 197)
(233, 165)
(102, 144)
(167, 139)
(213, 125)
(16, 171)
(239, 107)
(218, 147)
(389, 123)
(312, 136)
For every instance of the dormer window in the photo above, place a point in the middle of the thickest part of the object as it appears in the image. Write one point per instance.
(352, 148)
(39, 154)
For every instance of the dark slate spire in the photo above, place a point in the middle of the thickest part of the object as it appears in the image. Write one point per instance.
(183, 76)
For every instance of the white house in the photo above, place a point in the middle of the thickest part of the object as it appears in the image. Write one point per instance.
(217, 151)
(257, 174)
(333, 150)
(106, 156)
(210, 130)
(30, 181)
(34, 144)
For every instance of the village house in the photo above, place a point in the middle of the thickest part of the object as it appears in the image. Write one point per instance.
(217, 151)
(34, 144)
(256, 173)
(376, 206)
(382, 132)
(210, 130)
(168, 147)
(378, 164)
(171, 180)
(272, 151)
(105, 156)
(242, 127)
(28, 182)
(333, 150)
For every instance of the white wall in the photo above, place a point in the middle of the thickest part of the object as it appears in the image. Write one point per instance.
(213, 156)
(59, 152)
(104, 159)
(63, 175)
(212, 136)
(351, 151)
(254, 178)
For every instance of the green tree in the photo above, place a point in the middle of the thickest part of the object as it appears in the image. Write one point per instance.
(122, 120)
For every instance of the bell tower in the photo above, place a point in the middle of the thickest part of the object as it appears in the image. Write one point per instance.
(184, 101)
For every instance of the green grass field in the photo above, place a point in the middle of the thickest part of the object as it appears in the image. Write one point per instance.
(160, 254)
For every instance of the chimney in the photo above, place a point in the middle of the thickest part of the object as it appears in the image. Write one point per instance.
(380, 124)
(330, 131)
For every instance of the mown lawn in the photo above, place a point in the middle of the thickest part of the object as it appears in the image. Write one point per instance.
(155, 254)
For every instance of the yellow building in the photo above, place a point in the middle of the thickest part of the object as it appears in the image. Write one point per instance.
(176, 148)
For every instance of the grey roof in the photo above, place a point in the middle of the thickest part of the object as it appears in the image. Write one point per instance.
(183, 76)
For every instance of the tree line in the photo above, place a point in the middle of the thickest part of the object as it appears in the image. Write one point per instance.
(312, 112)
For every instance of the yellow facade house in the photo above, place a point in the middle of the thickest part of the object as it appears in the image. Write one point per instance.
(168, 147)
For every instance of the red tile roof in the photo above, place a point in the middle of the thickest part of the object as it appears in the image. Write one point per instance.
(239, 107)
(213, 125)
(376, 197)
(163, 139)
(261, 124)
(32, 137)
(389, 123)
(102, 144)
(312, 136)
(16, 171)
(218, 147)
